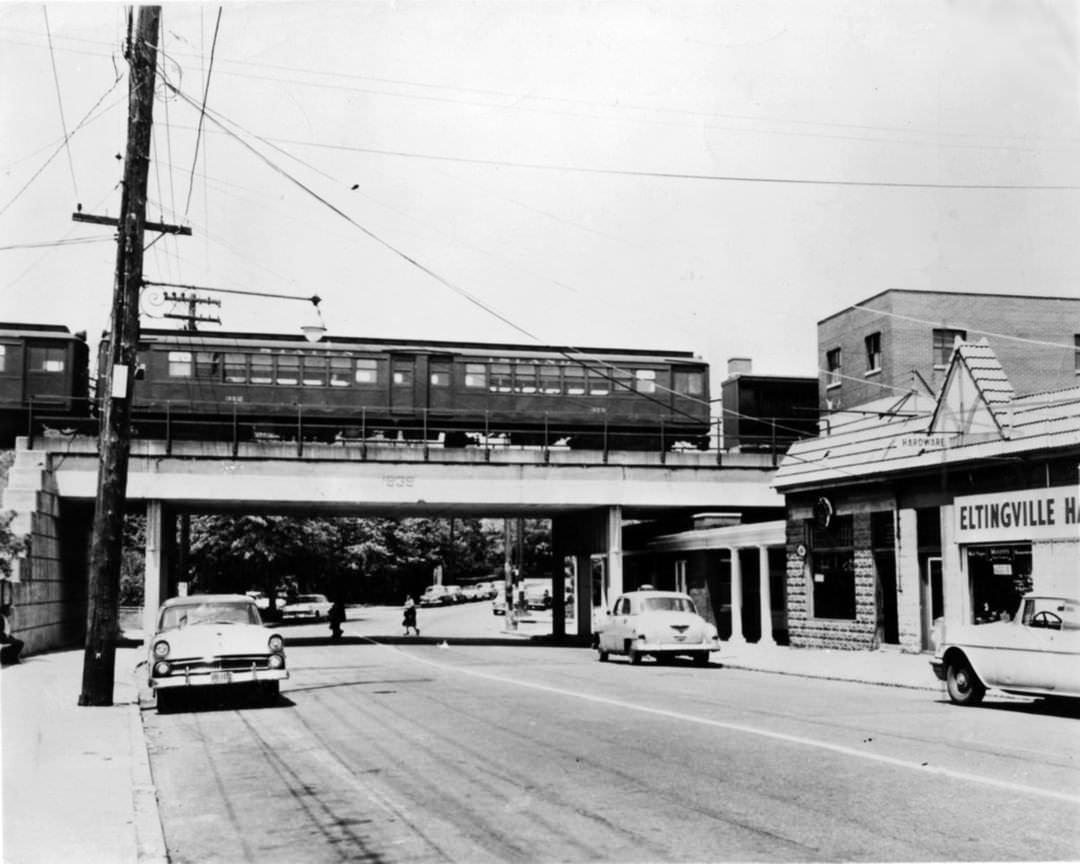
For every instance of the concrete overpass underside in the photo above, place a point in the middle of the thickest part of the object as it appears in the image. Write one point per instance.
(587, 494)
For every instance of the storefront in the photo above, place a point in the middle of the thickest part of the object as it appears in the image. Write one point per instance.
(910, 511)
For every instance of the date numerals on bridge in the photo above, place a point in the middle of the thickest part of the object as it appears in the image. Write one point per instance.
(399, 481)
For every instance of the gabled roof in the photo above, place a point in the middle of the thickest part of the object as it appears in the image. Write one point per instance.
(976, 415)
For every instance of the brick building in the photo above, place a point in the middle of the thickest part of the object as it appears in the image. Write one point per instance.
(898, 341)
(923, 508)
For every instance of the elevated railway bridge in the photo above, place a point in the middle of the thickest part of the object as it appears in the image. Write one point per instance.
(590, 497)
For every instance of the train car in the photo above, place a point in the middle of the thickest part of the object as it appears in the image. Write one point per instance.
(766, 413)
(459, 393)
(43, 377)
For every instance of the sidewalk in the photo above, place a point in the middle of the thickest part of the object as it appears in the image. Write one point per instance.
(76, 781)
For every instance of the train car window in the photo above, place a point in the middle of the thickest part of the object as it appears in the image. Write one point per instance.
(575, 380)
(288, 369)
(340, 369)
(476, 375)
(314, 372)
(550, 380)
(3, 358)
(440, 374)
(645, 380)
(236, 368)
(262, 369)
(180, 365)
(367, 371)
(689, 383)
(524, 378)
(501, 381)
(624, 381)
(599, 382)
(44, 359)
(403, 375)
(207, 365)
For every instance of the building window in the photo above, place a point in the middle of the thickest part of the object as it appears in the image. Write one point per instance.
(944, 340)
(367, 371)
(832, 568)
(476, 375)
(46, 359)
(832, 368)
(873, 353)
(180, 364)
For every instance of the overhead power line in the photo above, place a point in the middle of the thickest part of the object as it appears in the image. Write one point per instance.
(60, 103)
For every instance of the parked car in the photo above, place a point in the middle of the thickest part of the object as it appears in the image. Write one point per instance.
(213, 640)
(313, 606)
(663, 624)
(1037, 653)
(457, 593)
(436, 595)
(498, 602)
(262, 601)
(537, 596)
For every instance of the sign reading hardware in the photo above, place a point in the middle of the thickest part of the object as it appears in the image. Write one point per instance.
(1039, 514)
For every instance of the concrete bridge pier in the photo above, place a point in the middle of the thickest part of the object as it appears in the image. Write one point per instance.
(582, 536)
(160, 544)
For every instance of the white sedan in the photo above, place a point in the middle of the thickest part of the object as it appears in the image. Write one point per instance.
(1037, 653)
(213, 640)
(663, 624)
(313, 606)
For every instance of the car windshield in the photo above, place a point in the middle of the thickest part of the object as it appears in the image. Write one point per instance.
(668, 604)
(209, 613)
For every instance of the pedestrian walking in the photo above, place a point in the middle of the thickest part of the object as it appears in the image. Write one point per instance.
(336, 616)
(9, 645)
(409, 619)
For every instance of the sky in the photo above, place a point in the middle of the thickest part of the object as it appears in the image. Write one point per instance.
(713, 177)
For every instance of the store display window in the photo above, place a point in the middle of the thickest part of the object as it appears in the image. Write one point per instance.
(998, 577)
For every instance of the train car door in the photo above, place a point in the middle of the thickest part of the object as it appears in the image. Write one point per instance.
(440, 383)
(402, 383)
(46, 365)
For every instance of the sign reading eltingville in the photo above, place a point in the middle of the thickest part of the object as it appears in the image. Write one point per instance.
(1030, 514)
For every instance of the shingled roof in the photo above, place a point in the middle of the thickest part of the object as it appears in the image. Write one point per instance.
(975, 415)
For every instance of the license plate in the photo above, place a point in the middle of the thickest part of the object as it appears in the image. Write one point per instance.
(221, 677)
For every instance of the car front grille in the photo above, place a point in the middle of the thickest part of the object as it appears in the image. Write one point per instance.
(232, 662)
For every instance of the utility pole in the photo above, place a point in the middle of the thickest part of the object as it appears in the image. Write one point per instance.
(99, 661)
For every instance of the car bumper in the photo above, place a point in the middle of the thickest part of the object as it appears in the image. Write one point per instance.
(218, 678)
(938, 665)
(676, 647)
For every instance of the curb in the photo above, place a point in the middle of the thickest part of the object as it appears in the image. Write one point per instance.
(149, 835)
(820, 677)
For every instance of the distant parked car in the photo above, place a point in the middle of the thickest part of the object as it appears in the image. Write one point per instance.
(663, 624)
(1037, 653)
(537, 596)
(262, 602)
(457, 593)
(213, 640)
(313, 606)
(436, 595)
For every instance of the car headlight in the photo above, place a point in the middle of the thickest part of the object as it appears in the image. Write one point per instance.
(161, 668)
(161, 649)
(276, 644)
(276, 661)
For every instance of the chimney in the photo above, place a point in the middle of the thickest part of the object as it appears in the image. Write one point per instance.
(738, 366)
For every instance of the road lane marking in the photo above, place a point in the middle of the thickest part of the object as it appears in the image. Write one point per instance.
(800, 740)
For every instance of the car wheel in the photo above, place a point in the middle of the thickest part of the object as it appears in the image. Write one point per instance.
(603, 655)
(635, 657)
(963, 685)
(701, 658)
(271, 690)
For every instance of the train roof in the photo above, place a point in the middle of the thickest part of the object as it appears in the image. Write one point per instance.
(55, 330)
(224, 340)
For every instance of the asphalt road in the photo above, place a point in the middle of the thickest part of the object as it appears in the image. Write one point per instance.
(416, 752)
